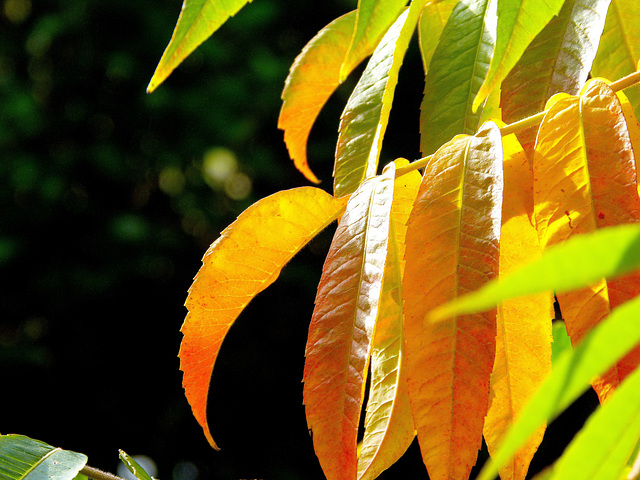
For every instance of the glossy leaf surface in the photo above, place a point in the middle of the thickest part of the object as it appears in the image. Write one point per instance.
(339, 343)
(452, 241)
(245, 260)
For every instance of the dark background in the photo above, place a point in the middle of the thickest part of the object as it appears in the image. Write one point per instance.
(109, 200)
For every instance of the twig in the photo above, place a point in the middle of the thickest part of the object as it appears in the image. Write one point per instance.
(98, 474)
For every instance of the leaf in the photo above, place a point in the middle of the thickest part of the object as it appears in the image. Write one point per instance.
(23, 458)
(571, 375)
(314, 76)
(589, 183)
(245, 260)
(558, 60)
(432, 21)
(603, 446)
(133, 466)
(519, 21)
(373, 20)
(452, 247)
(389, 426)
(561, 340)
(197, 21)
(457, 69)
(339, 343)
(366, 114)
(632, 126)
(523, 342)
(619, 50)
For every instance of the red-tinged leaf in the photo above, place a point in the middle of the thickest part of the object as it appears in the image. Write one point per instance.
(452, 241)
(339, 343)
(374, 18)
(558, 60)
(389, 426)
(523, 342)
(366, 114)
(314, 76)
(197, 21)
(585, 179)
(245, 260)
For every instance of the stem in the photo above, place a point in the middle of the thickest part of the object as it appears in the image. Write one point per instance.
(98, 474)
(624, 82)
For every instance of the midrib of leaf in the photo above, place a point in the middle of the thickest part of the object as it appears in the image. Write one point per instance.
(40, 462)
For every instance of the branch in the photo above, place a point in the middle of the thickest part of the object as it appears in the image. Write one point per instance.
(98, 474)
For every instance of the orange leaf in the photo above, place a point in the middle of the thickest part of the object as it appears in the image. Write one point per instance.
(585, 179)
(339, 343)
(314, 76)
(245, 260)
(523, 342)
(632, 125)
(452, 248)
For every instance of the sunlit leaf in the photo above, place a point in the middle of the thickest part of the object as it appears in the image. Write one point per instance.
(374, 18)
(245, 260)
(197, 21)
(339, 343)
(519, 21)
(366, 114)
(432, 21)
(389, 426)
(523, 342)
(452, 242)
(619, 50)
(558, 60)
(134, 467)
(632, 126)
(314, 76)
(561, 340)
(457, 69)
(571, 375)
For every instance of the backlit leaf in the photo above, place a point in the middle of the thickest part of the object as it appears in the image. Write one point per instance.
(452, 241)
(373, 20)
(457, 69)
(523, 342)
(570, 377)
(366, 114)
(586, 184)
(632, 126)
(432, 21)
(339, 343)
(519, 21)
(197, 21)
(389, 426)
(314, 76)
(245, 260)
(558, 60)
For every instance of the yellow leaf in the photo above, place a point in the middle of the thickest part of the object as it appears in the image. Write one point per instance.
(245, 260)
(452, 248)
(632, 126)
(339, 343)
(523, 342)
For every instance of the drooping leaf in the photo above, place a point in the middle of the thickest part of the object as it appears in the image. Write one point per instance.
(558, 60)
(430, 26)
(571, 376)
(366, 114)
(389, 426)
(23, 458)
(589, 183)
(314, 76)
(197, 21)
(632, 126)
(133, 466)
(457, 69)
(245, 260)
(619, 50)
(452, 242)
(519, 21)
(373, 20)
(603, 446)
(523, 342)
(339, 343)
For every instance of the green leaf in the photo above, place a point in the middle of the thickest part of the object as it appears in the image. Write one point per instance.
(366, 115)
(519, 21)
(457, 69)
(432, 21)
(562, 268)
(22, 458)
(374, 18)
(133, 466)
(557, 60)
(197, 21)
(561, 341)
(603, 346)
(603, 446)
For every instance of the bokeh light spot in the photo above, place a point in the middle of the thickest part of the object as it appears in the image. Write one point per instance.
(17, 11)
